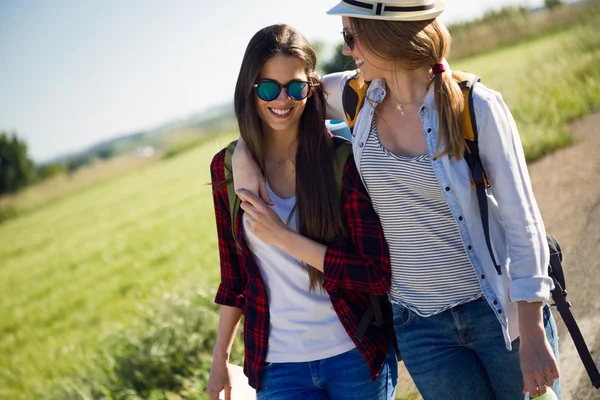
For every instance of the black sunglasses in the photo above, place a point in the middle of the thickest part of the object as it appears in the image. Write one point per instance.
(269, 90)
(349, 39)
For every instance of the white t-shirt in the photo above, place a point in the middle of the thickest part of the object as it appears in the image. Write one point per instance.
(303, 324)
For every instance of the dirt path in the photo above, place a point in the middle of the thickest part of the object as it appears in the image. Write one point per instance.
(567, 188)
(568, 191)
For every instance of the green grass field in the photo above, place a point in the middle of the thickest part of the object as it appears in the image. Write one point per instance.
(80, 267)
(90, 264)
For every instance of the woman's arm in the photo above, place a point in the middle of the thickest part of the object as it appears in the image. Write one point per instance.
(231, 289)
(504, 162)
(220, 379)
(333, 88)
(233, 276)
(247, 174)
(538, 365)
(360, 262)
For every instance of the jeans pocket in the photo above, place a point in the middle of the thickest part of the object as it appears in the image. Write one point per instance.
(402, 316)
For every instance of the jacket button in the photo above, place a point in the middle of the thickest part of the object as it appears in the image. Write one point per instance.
(434, 158)
(447, 188)
(428, 130)
(346, 320)
(361, 144)
(482, 276)
(495, 302)
(499, 311)
(470, 247)
(460, 218)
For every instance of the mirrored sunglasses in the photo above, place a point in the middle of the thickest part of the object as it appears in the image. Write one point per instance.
(269, 90)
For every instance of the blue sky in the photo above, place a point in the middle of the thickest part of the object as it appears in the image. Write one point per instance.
(75, 72)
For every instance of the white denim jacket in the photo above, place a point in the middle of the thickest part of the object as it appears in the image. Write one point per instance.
(516, 228)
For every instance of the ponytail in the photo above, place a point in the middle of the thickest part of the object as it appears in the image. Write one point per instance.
(449, 102)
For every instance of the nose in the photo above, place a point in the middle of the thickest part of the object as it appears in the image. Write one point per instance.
(283, 96)
(346, 50)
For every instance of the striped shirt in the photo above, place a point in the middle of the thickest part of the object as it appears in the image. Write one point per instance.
(431, 271)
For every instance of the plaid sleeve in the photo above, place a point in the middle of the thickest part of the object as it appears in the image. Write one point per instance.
(233, 276)
(361, 261)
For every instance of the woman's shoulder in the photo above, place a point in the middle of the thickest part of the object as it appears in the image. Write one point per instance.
(337, 80)
(217, 165)
(484, 99)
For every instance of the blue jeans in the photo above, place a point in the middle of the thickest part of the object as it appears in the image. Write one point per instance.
(460, 353)
(345, 377)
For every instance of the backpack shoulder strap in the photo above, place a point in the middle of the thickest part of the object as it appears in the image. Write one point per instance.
(234, 200)
(343, 150)
(467, 82)
(353, 97)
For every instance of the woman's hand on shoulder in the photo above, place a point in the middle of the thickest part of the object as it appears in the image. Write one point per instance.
(261, 220)
(247, 174)
(219, 380)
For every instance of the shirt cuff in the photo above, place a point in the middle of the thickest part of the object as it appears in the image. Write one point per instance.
(227, 297)
(531, 289)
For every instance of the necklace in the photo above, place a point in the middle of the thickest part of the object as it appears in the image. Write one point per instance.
(276, 163)
(400, 107)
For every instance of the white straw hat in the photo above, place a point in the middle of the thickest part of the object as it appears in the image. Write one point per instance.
(392, 10)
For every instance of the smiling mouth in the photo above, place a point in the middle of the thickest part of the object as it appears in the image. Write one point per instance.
(359, 63)
(280, 112)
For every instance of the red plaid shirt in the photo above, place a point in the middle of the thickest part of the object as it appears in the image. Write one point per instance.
(353, 268)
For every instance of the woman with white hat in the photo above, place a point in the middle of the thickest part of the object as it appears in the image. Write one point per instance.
(467, 326)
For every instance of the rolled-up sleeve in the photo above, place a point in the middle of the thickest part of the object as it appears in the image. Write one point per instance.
(233, 276)
(360, 261)
(504, 161)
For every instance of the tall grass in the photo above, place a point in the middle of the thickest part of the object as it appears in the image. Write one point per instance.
(167, 354)
(514, 25)
(546, 83)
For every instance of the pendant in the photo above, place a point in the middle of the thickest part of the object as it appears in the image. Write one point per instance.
(399, 108)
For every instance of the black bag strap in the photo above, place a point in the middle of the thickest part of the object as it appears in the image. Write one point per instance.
(374, 310)
(555, 270)
(564, 308)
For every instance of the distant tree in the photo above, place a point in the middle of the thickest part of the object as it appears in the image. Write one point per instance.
(16, 168)
(319, 47)
(338, 62)
(50, 170)
(550, 4)
(106, 153)
(77, 162)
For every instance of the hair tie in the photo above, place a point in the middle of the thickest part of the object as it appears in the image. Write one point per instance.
(438, 68)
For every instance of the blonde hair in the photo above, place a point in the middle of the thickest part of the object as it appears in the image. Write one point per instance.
(413, 44)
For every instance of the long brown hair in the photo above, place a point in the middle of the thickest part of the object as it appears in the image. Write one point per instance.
(414, 44)
(317, 203)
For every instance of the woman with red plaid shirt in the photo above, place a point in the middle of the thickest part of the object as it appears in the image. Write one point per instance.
(300, 271)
